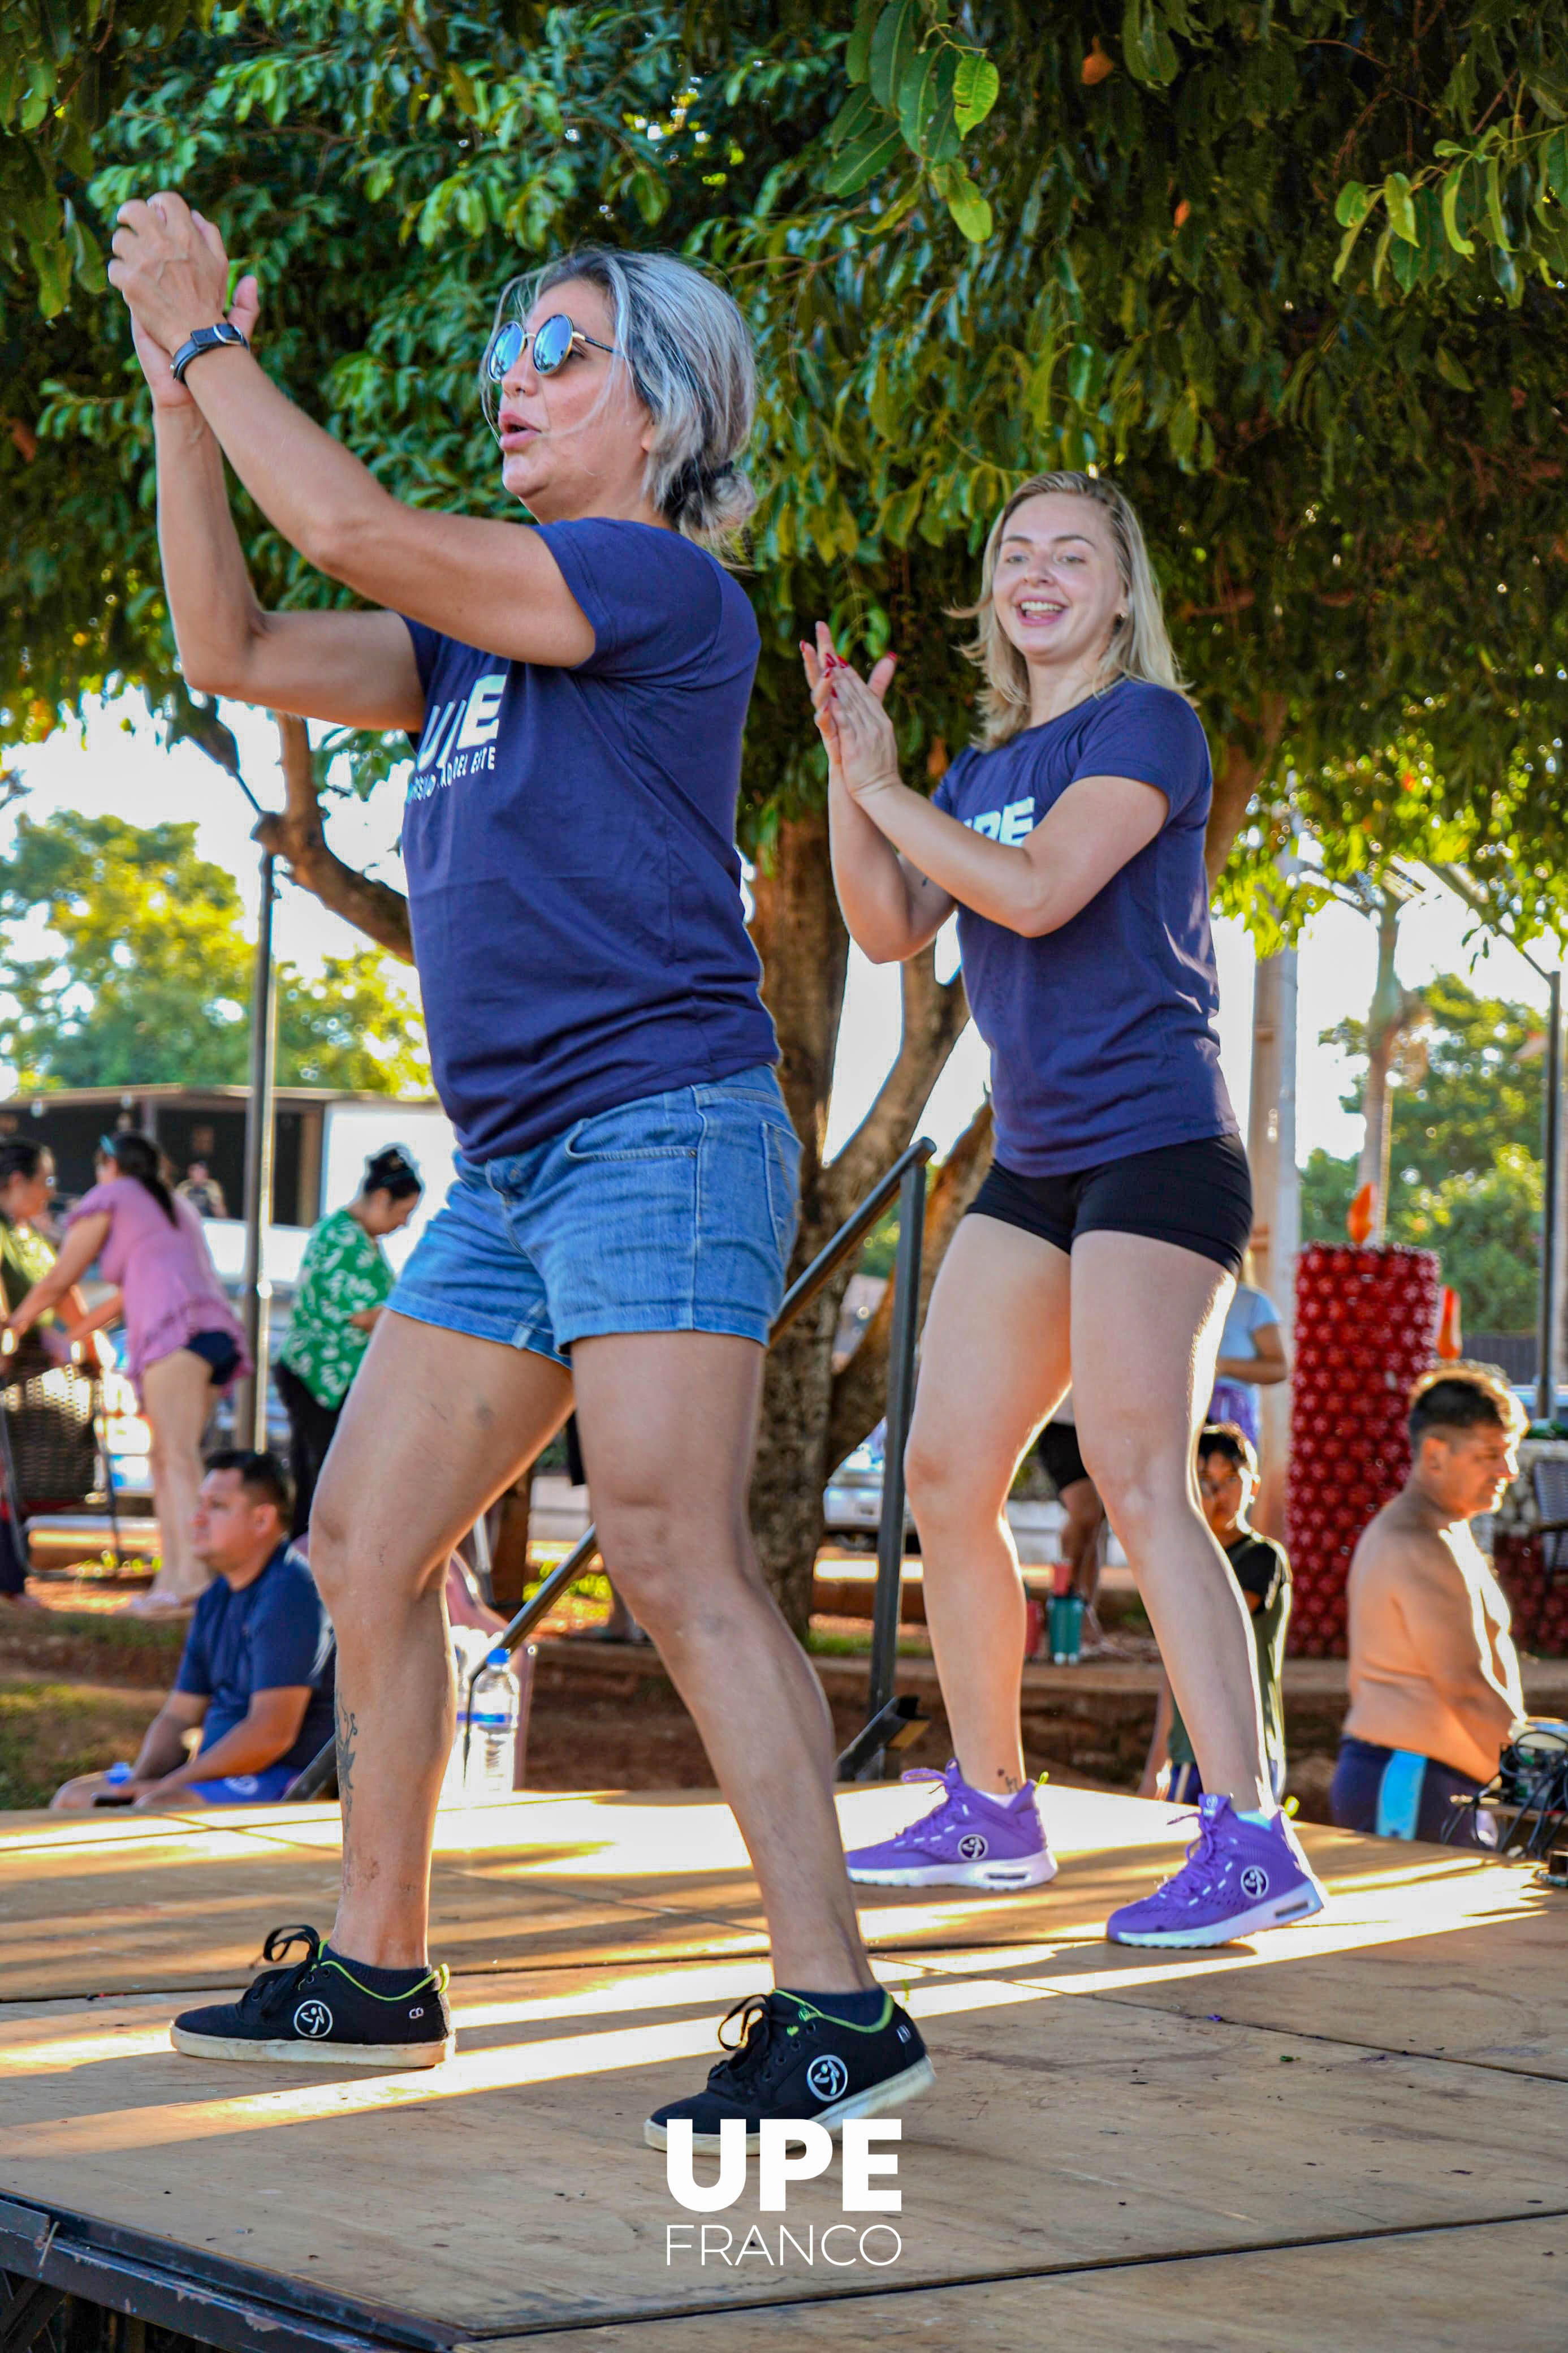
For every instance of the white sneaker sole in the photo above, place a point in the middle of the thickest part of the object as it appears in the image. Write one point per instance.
(891, 2093)
(298, 2052)
(1284, 1913)
(996, 1878)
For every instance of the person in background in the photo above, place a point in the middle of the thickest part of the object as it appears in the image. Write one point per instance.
(200, 1188)
(1083, 1513)
(1433, 1675)
(1227, 1483)
(1251, 1356)
(344, 1282)
(27, 1186)
(256, 1673)
(183, 1340)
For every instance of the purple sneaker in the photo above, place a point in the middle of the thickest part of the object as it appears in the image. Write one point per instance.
(1239, 1876)
(968, 1841)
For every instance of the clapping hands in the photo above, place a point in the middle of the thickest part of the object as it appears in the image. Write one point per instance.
(861, 746)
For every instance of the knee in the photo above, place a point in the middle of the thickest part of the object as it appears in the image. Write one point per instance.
(940, 1478)
(1142, 1492)
(669, 1564)
(358, 1573)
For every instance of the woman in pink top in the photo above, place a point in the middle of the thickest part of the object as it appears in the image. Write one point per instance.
(183, 1338)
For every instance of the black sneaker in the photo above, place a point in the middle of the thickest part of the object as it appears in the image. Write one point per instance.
(320, 2013)
(791, 2060)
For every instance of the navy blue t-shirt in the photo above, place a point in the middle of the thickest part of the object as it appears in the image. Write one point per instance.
(272, 1635)
(1102, 1034)
(569, 837)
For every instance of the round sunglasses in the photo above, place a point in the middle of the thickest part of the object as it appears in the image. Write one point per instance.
(554, 340)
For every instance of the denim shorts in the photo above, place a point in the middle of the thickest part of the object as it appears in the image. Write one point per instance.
(676, 1213)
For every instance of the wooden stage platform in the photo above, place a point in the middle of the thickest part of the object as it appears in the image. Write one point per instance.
(1352, 2135)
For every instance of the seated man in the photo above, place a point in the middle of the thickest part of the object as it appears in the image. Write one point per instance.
(1227, 1483)
(257, 1674)
(1433, 1676)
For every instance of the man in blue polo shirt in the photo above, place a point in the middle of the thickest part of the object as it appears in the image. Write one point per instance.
(257, 1674)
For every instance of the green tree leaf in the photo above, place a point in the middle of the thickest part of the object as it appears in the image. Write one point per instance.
(976, 88)
(1396, 197)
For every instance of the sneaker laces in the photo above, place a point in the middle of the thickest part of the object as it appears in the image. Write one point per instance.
(917, 1830)
(1200, 1866)
(759, 2047)
(268, 1991)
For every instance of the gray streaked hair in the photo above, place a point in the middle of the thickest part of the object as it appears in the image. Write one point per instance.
(685, 344)
(1139, 644)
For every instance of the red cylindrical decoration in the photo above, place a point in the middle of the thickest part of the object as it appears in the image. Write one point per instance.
(1366, 1320)
(1450, 1330)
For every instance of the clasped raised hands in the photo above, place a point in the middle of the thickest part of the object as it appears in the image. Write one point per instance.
(171, 267)
(861, 747)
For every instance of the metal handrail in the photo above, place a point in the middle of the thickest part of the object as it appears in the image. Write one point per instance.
(907, 1177)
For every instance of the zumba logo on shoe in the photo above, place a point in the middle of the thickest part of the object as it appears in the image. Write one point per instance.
(376, 2017)
(1240, 1875)
(827, 2076)
(970, 1839)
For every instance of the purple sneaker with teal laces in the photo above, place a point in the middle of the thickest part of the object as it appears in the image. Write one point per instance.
(969, 1840)
(1239, 1876)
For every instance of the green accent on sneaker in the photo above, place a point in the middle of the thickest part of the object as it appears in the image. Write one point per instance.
(435, 1979)
(848, 2025)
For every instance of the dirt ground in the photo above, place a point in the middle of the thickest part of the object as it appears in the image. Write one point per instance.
(79, 1680)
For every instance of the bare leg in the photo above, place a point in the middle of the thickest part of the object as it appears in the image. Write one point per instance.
(1146, 1319)
(668, 1424)
(1085, 1517)
(437, 1425)
(994, 1363)
(177, 1392)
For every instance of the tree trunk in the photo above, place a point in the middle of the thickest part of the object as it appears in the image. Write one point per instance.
(296, 834)
(1392, 1011)
(860, 1390)
(1239, 771)
(800, 936)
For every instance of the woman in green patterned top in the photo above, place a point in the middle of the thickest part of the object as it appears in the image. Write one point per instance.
(344, 1281)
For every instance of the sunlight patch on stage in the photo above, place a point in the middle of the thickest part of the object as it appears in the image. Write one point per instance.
(1424, 1912)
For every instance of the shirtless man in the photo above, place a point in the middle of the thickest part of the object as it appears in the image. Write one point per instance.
(1433, 1675)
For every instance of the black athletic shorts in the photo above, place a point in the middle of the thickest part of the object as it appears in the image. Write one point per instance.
(1056, 1448)
(1198, 1195)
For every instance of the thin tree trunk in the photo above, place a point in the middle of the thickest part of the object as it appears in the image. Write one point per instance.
(296, 834)
(800, 936)
(1240, 769)
(1392, 1011)
(860, 1389)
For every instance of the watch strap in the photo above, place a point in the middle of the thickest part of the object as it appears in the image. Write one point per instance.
(221, 337)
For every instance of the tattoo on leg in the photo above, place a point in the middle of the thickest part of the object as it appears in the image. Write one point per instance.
(348, 1733)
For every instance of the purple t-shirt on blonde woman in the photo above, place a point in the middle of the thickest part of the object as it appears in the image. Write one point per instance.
(165, 1274)
(1102, 1034)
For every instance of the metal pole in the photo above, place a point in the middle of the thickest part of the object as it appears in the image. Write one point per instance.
(250, 1399)
(1551, 1206)
(900, 1401)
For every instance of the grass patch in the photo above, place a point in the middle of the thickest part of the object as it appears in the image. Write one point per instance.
(49, 1731)
(96, 1646)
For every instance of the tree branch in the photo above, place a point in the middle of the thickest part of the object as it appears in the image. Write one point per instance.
(798, 932)
(934, 1014)
(295, 834)
(1237, 777)
(860, 1389)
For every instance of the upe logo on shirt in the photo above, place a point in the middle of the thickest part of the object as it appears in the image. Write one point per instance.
(786, 2153)
(458, 738)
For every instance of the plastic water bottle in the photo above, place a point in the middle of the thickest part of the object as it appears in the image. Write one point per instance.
(493, 1719)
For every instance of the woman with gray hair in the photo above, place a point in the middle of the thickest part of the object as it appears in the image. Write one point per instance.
(1102, 1248)
(624, 1198)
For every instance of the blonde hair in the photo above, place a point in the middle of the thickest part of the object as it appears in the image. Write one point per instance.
(1139, 644)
